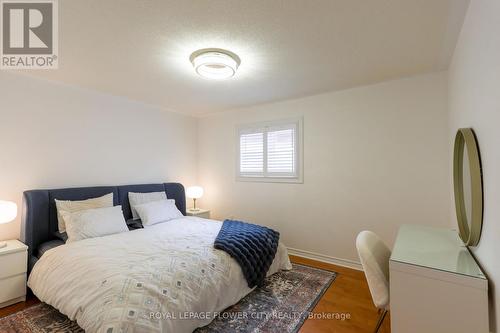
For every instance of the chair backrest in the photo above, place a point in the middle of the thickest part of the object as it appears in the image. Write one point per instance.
(374, 256)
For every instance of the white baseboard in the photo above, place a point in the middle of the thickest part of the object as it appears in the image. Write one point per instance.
(324, 258)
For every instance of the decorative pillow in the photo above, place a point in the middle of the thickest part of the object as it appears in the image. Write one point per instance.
(136, 199)
(94, 223)
(75, 206)
(158, 211)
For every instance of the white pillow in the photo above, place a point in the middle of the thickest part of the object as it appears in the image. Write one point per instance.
(136, 199)
(158, 211)
(75, 206)
(94, 223)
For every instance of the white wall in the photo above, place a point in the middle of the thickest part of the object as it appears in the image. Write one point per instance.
(53, 135)
(375, 157)
(474, 90)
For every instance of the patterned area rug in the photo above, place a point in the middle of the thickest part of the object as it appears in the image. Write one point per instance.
(281, 305)
(37, 319)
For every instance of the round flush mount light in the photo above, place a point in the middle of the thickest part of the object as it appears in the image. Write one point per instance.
(216, 64)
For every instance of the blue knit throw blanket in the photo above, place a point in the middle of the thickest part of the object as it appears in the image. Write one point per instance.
(252, 246)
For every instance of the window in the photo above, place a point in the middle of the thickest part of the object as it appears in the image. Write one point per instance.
(270, 151)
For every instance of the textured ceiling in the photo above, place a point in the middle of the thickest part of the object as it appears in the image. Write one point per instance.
(288, 48)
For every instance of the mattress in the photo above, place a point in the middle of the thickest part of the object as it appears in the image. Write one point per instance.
(164, 278)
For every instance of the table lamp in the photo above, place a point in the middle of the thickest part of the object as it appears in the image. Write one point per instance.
(194, 192)
(8, 213)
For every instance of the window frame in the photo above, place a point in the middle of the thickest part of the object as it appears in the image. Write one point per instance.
(266, 177)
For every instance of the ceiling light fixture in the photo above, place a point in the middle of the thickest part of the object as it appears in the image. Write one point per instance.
(215, 64)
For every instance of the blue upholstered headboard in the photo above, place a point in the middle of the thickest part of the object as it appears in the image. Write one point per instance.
(39, 219)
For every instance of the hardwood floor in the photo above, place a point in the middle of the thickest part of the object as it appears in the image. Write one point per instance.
(348, 294)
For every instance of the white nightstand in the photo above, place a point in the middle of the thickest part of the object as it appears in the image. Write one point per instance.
(199, 212)
(13, 266)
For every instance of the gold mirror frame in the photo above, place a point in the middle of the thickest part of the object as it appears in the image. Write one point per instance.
(466, 139)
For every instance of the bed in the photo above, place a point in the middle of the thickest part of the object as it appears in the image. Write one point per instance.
(164, 278)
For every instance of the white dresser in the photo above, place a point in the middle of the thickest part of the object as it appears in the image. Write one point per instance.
(13, 266)
(436, 286)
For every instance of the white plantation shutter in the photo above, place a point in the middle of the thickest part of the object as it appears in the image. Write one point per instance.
(269, 151)
(281, 151)
(252, 153)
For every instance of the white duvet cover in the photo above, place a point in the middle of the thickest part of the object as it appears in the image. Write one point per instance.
(165, 278)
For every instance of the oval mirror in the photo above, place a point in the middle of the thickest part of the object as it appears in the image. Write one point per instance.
(468, 186)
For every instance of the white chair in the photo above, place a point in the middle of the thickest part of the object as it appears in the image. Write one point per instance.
(374, 256)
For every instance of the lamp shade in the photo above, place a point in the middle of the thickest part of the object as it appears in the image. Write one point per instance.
(8, 211)
(194, 192)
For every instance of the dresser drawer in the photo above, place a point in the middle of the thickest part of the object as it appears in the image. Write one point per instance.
(13, 264)
(12, 287)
